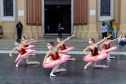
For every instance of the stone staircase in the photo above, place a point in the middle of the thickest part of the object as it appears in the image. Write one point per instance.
(79, 44)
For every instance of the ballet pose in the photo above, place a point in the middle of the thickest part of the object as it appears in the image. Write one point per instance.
(28, 46)
(108, 49)
(23, 53)
(64, 49)
(53, 59)
(95, 55)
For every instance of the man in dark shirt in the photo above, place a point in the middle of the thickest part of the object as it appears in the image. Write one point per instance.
(19, 27)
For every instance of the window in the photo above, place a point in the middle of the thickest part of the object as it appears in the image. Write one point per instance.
(7, 10)
(105, 10)
(8, 7)
(105, 7)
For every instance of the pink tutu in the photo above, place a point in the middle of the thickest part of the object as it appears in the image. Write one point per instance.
(66, 50)
(108, 50)
(90, 57)
(52, 63)
(24, 55)
(30, 46)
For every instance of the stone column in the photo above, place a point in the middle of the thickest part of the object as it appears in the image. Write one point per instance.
(122, 18)
(92, 33)
(26, 29)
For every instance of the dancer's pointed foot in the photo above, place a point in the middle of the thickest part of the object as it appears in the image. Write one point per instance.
(16, 65)
(52, 75)
(109, 60)
(85, 68)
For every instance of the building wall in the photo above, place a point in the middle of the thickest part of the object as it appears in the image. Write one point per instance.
(92, 29)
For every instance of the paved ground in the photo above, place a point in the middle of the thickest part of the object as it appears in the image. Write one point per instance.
(75, 74)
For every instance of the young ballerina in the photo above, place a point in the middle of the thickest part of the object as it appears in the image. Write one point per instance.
(64, 49)
(95, 55)
(23, 54)
(108, 49)
(54, 59)
(25, 41)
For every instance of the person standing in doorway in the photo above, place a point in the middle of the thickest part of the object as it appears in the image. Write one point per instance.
(114, 25)
(59, 30)
(104, 29)
(19, 27)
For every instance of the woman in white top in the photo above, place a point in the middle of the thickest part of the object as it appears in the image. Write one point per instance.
(104, 29)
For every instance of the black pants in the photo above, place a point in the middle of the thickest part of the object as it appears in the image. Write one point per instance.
(60, 34)
(19, 32)
(104, 35)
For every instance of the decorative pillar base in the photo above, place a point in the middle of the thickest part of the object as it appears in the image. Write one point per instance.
(75, 30)
(34, 32)
(39, 31)
(85, 32)
(122, 29)
(92, 33)
(80, 30)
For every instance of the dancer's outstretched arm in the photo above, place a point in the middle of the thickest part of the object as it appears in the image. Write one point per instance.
(29, 42)
(46, 57)
(112, 40)
(102, 40)
(85, 50)
(12, 51)
(64, 41)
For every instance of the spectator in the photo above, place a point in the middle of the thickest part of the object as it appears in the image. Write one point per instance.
(114, 25)
(104, 29)
(19, 27)
(121, 40)
(59, 31)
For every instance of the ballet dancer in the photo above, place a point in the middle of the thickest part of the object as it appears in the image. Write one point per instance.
(53, 59)
(64, 49)
(108, 49)
(95, 55)
(25, 41)
(23, 53)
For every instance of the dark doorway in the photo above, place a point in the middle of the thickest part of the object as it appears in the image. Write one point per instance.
(55, 14)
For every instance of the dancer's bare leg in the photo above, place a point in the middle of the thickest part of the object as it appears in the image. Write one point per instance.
(108, 58)
(99, 66)
(53, 70)
(19, 61)
(89, 63)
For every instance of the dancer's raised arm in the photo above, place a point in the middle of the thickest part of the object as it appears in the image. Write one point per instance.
(12, 51)
(102, 40)
(64, 41)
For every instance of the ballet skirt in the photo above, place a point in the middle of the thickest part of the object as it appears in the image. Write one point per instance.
(108, 48)
(65, 49)
(95, 55)
(24, 53)
(53, 60)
